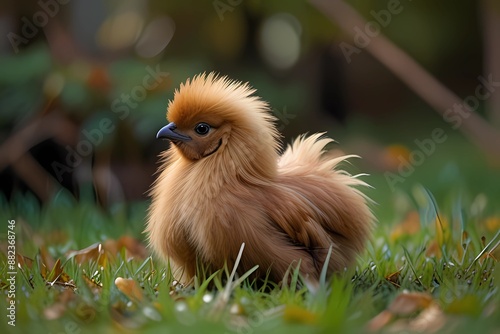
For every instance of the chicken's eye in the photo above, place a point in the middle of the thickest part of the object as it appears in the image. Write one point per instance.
(202, 128)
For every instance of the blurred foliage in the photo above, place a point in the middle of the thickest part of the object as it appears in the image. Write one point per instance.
(204, 42)
(444, 36)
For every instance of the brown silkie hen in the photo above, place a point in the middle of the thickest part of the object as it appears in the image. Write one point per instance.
(223, 183)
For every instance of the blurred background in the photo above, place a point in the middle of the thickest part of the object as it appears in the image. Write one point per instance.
(84, 86)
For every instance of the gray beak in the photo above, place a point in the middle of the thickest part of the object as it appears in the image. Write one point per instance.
(168, 132)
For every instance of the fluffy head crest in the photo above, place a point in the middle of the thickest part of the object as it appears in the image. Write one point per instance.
(210, 96)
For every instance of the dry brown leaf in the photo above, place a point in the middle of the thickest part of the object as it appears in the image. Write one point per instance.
(57, 273)
(409, 226)
(101, 251)
(129, 288)
(47, 260)
(92, 284)
(404, 305)
(43, 268)
(407, 303)
(24, 261)
(394, 278)
(430, 320)
(135, 249)
(57, 276)
(93, 252)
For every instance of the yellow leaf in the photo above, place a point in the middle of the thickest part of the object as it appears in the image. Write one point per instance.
(129, 288)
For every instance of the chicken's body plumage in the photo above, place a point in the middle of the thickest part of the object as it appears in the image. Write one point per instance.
(230, 186)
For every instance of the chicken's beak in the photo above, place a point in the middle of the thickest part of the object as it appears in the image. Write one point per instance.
(168, 132)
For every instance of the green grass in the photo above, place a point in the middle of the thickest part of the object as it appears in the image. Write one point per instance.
(449, 257)
(445, 250)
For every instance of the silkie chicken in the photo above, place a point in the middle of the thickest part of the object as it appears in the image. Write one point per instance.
(222, 183)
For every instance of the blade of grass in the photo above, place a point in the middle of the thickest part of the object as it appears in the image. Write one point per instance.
(481, 253)
(407, 254)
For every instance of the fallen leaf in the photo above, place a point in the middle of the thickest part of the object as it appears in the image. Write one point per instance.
(93, 252)
(57, 273)
(92, 284)
(394, 278)
(46, 259)
(100, 252)
(407, 303)
(430, 320)
(404, 305)
(129, 288)
(135, 249)
(24, 261)
(56, 276)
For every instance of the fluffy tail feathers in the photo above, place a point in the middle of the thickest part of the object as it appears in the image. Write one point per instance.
(307, 154)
